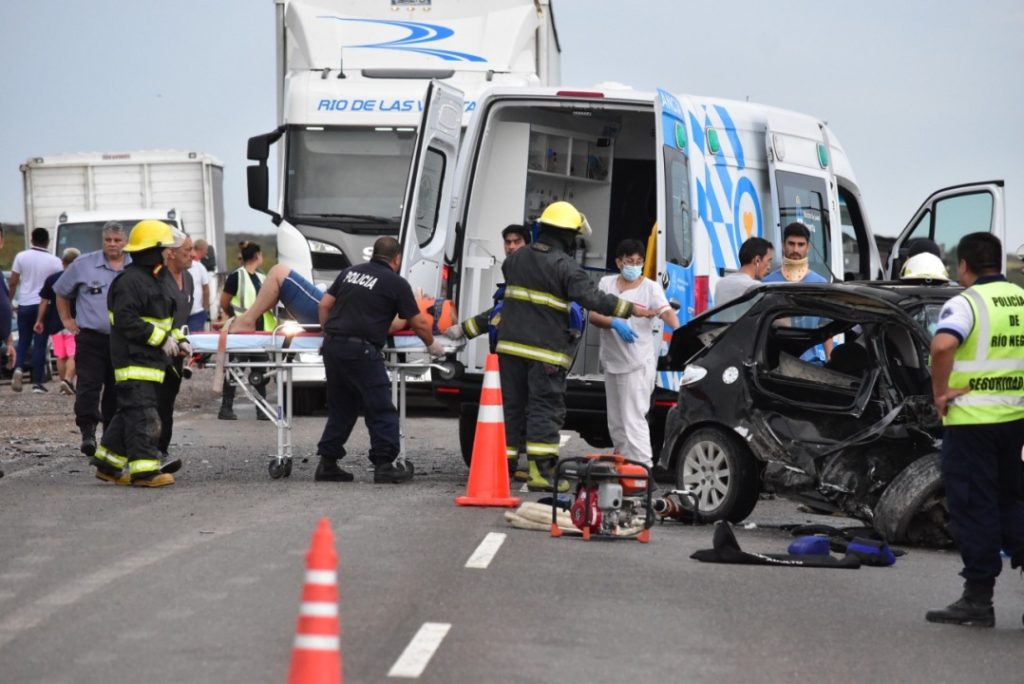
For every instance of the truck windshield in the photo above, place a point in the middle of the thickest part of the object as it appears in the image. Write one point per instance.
(350, 178)
(87, 236)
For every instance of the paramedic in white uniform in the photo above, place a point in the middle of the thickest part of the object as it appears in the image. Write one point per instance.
(628, 352)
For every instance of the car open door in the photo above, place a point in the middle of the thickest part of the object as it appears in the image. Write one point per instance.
(803, 189)
(428, 195)
(949, 214)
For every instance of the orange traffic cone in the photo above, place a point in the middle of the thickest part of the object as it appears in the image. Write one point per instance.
(488, 469)
(316, 656)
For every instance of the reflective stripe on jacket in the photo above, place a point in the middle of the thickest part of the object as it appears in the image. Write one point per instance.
(141, 317)
(991, 360)
(541, 282)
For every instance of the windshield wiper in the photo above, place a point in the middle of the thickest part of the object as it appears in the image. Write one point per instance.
(366, 218)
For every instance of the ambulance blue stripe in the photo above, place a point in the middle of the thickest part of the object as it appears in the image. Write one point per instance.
(696, 132)
(714, 209)
(734, 139)
(716, 249)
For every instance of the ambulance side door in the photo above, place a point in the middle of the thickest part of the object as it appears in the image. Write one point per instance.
(949, 214)
(428, 195)
(803, 189)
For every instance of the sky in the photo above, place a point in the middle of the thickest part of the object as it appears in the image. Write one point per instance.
(920, 94)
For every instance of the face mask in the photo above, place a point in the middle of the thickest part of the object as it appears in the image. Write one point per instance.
(631, 273)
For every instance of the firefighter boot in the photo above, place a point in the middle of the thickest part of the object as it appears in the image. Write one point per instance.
(541, 474)
(156, 479)
(88, 446)
(972, 609)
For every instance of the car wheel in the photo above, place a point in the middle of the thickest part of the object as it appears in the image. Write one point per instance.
(912, 509)
(721, 471)
(467, 430)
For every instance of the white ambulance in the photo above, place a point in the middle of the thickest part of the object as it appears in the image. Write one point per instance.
(696, 175)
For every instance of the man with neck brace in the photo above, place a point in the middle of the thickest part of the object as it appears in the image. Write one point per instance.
(628, 353)
(796, 243)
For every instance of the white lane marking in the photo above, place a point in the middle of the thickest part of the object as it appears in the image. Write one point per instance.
(524, 488)
(45, 607)
(420, 650)
(484, 553)
(563, 439)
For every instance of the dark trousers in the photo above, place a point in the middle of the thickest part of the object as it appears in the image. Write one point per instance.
(135, 429)
(357, 379)
(982, 470)
(227, 397)
(533, 401)
(27, 319)
(95, 395)
(166, 393)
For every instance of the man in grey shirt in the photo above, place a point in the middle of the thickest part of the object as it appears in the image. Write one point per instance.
(755, 262)
(86, 282)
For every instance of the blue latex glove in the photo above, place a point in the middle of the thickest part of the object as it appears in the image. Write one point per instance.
(627, 334)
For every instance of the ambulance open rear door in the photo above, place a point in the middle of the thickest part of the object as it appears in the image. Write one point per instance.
(428, 195)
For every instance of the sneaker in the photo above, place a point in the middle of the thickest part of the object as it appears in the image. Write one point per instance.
(328, 470)
(39, 389)
(122, 478)
(66, 388)
(153, 480)
(226, 414)
(168, 463)
(17, 379)
(393, 472)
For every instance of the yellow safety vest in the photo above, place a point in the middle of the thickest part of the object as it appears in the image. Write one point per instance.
(245, 296)
(991, 360)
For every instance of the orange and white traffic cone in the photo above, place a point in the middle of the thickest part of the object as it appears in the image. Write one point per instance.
(316, 656)
(488, 469)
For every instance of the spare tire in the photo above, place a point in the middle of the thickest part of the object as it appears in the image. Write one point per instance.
(912, 509)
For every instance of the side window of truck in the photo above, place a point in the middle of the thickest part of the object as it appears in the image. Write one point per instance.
(428, 204)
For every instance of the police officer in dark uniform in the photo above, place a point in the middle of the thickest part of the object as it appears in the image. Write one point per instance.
(977, 378)
(356, 313)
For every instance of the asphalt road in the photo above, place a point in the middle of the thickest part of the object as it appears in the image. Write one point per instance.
(200, 582)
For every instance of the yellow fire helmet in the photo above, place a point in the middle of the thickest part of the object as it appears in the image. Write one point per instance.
(150, 233)
(924, 266)
(565, 216)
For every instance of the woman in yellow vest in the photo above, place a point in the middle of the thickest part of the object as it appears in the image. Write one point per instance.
(978, 386)
(239, 293)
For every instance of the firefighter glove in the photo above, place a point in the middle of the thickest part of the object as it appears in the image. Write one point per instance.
(170, 347)
(454, 332)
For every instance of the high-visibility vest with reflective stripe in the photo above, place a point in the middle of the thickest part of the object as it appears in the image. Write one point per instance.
(991, 360)
(245, 296)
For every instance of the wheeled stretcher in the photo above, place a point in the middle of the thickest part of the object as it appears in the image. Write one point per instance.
(251, 359)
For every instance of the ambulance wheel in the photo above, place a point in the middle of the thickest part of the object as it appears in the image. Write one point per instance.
(722, 473)
(279, 469)
(912, 509)
(467, 430)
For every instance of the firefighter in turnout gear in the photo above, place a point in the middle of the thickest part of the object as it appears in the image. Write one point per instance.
(142, 339)
(978, 387)
(535, 340)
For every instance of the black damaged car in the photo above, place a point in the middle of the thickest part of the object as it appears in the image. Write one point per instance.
(857, 434)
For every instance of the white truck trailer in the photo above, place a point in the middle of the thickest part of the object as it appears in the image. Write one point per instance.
(74, 195)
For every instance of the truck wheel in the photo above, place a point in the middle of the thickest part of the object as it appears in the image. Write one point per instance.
(721, 471)
(467, 430)
(912, 509)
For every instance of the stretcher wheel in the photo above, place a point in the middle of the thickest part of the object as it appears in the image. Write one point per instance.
(288, 468)
(279, 469)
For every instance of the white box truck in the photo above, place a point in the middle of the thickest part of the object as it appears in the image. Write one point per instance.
(351, 75)
(73, 195)
(696, 175)
(351, 78)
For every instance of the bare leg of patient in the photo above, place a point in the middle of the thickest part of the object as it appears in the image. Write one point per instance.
(266, 299)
